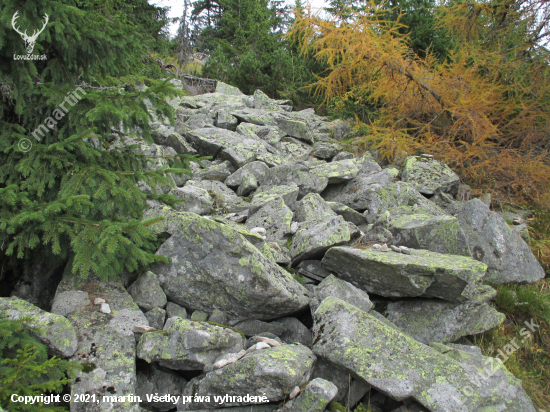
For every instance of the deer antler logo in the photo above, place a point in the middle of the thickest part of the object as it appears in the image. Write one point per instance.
(30, 41)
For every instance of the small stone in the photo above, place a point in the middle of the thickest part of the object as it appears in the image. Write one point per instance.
(230, 215)
(99, 301)
(427, 156)
(142, 329)
(376, 246)
(294, 227)
(259, 231)
(105, 308)
(262, 345)
(405, 250)
(384, 248)
(516, 222)
(294, 392)
(199, 316)
(395, 248)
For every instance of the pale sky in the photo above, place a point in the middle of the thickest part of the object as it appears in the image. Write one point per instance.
(176, 8)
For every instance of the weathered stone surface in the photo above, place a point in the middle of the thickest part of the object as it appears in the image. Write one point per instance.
(173, 309)
(316, 236)
(257, 169)
(440, 234)
(293, 331)
(275, 217)
(248, 185)
(188, 345)
(262, 101)
(312, 269)
(156, 318)
(158, 381)
(337, 172)
(295, 128)
(343, 156)
(257, 327)
(431, 320)
(269, 134)
(214, 267)
(312, 206)
(298, 174)
(422, 273)
(53, 330)
(271, 372)
(147, 293)
(429, 175)
(325, 150)
(224, 88)
(195, 199)
(224, 199)
(225, 120)
(72, 301)
(220, 172)
(401, 367)
(199, 316)
(293, 149)
(509, 258)
(341, 130)
(262, 197)
(256, 116)
(347, 213)
(338, 288)
(314, 398)
(105, 341)
(163, 136)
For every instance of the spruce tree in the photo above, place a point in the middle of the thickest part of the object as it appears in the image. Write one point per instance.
(66, 194)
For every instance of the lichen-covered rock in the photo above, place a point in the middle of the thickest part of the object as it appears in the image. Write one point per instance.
(271, 372)
(220, 172)
(275, 217)
(53, 330)
(188, 345)
(422, 273)
(431, 320)
(195, 199)
(312, 269)
(106, 344)
(224, 88)
(163, 136)
(73, 301)
(214, 267)
(293, 331)
(248, 185)
(337, 172)
(257, 327)
(224, 199)
(147, 293)
(312, 206)
(440, 234)
(316, 236)
(347, 213)
(269, 134)
(295, 128)
(429, 175)
(402, 368)
(156, 318)
(314, 398)
(288, 193)
(225, 120)
(341, 130)
(257, 169)
(264, 102)
(158, 381)
(173, 309)
(325, 150)
(298, 174)
(509, 258)
(338, 288)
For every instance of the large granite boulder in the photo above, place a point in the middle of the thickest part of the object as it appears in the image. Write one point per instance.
(429, 176)
(288, 193)
(214, 267)
(53, 330)
(272, 373)
(508, 257)
(188, 345)
(402, 368)
(422, 273)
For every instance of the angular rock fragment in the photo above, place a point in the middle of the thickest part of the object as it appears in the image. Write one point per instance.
(314, 398)
(195, 199)
(147, 293)
(257, 169)
(293, 331)
(298, 174)
(338, 288)
(312, 206)
(429, 176)
(337, 172)
(275, 217)
(158, 381)
(262, 197)
(156, 318)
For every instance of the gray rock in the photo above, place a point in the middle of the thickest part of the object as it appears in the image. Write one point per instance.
(158, 381)
(173, 309)
(293, 149)
(294, 174)
(401, 367)
(509, 258)
(195, 199)
(332, 286)
(428, 176)
(199, 316)
(147, 293)
(188, 345)
(333, 373)
(224, 120)
(422, 273)
(325, 150)
(343, 156)
(378, 234)
(257, 169)
(163, 136)
(293, 331)
(342, 130)
(316, 236)
(271, 372)
(295, 128)
(314, 398)
(368, 165)
(440, 234)
(218, 316)
(106, 342)
(312, 206)
(225, 200)
(431, 320)
(337, 172)
(224, 88)
(156, 318)
(257, 327)
(262, 197)
(347, 213)
(248, 185)
(214, 267)
(275, 217)
(312, 269)
(72, 301)
(262, 101)
(53, 330)
(269, 134)
(219, 172)
(256, 116)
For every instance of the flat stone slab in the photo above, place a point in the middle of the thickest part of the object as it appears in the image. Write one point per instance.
(429, 176)
(403, 368)
(422, 273)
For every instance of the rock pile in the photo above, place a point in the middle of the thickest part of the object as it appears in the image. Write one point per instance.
(276, 294)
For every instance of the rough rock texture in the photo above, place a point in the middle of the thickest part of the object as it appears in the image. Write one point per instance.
(402, 368)
(147, 293)
(158, 381)
(271, 372)
(53, 330)
(257, 169)
(293, 331)
(347, 213)
(275, 217)
(188, 345)
(195, 199)
(312, 206)
(429, 176)
(257, 327)
(509, 258)
(338, 288)
(173, 309)
(156, 318)
(224, 199)
(288, 193)
(314, 398)
(73, 301)
(214, 267)
(298, 174)
(422, 273)
(338, 171)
